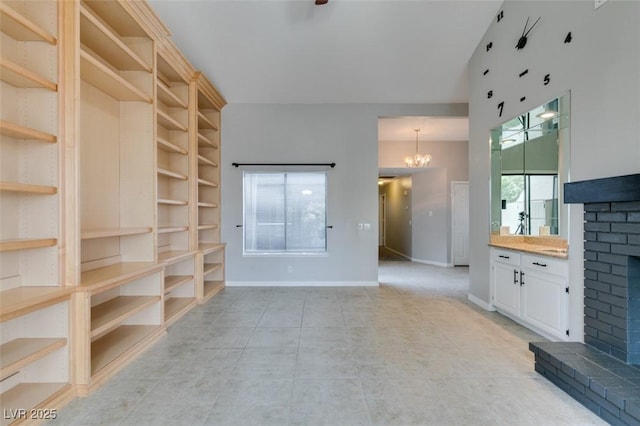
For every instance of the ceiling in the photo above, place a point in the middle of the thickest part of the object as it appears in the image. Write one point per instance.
(347, 51)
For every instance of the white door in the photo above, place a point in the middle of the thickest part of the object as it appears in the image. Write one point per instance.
(382, 213)
(460, 223)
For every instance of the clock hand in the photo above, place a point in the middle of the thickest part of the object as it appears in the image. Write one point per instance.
(525, 26)
(534, 24)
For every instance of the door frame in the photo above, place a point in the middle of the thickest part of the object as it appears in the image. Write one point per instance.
(382, 219)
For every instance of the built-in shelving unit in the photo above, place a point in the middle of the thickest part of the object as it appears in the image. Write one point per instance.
(174, 201)
(123, 302)
(34, 304)
(179, 287)
(210, 259)
(120, 281)
(109, 194)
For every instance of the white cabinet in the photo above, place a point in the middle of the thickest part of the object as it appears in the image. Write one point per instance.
(533, 290)
(506, 283)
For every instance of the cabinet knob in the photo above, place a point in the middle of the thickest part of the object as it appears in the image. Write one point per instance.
(544, 265)
(521, 278)
(515, 276)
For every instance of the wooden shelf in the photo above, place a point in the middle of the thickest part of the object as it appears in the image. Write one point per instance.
(210, 267)
(211, 288)
(101, 279)
(205, 123)
(166, 95)
(100, 38)
(26, 244)
(204, 141)
(21, 28)
(23, 300)
(103, 78)
(172, 202)
(174, 281)
(204, 182)
(89, 234)
(170, 123)
(18, 353)
(210, 248)
(108, 315)
(170, 147)
(28, 396)
(26, 188)
(207, 205)
(174, 175)
(206, 226)
(172, 229)
(18, 76)
(172, 256)
(115, 344)
(176, 306)
(202, 160)
(20, 132)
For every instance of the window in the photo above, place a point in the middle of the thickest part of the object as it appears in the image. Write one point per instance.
(285, 212)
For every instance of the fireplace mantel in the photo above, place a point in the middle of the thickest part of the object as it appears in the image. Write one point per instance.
(605, 190)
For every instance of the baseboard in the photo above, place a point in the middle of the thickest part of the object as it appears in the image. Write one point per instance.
(398, 253)
(431, 262)
(484, 305)
(301, 283)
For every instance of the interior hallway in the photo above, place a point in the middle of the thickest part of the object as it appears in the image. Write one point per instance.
(410, 352)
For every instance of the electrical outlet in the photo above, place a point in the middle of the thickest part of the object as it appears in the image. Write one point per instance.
(289, 269)
(599, 3)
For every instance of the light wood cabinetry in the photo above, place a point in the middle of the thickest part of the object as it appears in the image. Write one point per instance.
(532, 290)
(109, 193)
(121, 283)
(174, 176)
(34, 303)
(206, 106)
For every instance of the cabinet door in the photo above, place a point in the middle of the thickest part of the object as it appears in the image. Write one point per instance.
(544, 301)
(506, 286)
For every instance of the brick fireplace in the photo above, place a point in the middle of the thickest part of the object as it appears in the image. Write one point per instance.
(611, 258)
(604, 373)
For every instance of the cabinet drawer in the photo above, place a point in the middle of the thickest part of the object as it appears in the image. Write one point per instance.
(505, 256)
(546, 264)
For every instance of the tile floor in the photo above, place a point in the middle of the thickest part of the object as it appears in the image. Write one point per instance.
(410, 352)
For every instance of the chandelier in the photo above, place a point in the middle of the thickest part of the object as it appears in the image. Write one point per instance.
(417, 160)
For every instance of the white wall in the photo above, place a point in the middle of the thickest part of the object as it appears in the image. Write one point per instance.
(346, 134)
(601, 69)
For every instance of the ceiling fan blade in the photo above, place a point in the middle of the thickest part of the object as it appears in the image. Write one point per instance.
(319, 2)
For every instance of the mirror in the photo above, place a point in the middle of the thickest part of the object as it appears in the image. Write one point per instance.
(529, 164)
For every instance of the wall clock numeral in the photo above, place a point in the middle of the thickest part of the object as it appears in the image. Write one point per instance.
(500, 16)
(523, 73)
(489, 46)
(568, 38)
(547, 79)
(500, 108)
(490, 94)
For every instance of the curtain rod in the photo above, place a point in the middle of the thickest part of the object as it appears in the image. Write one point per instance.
(332, 165)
